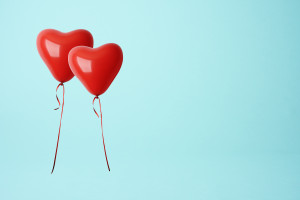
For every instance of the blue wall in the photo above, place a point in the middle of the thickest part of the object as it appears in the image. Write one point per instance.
(206, 105)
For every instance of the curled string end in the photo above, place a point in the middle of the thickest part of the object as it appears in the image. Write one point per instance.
(96, 97)
(61, 84)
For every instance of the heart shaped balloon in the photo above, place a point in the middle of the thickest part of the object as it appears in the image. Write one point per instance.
(96, 68)
(54, 47)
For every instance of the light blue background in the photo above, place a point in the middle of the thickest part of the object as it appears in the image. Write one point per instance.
(206, 105)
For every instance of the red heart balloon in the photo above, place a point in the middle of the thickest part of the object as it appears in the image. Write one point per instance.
(96, 68)
(54, 47)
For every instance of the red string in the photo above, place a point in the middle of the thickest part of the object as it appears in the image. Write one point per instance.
(57, 97)
(101, 128)
(62, 110)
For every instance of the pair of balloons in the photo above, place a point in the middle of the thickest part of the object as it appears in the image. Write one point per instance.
(72, 53)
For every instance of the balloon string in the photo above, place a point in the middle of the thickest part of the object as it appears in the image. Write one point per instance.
(57, 96)
(62, 110)
(101, 128)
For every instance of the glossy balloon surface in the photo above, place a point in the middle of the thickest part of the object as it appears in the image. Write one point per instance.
(96, 68)
(54, 47)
